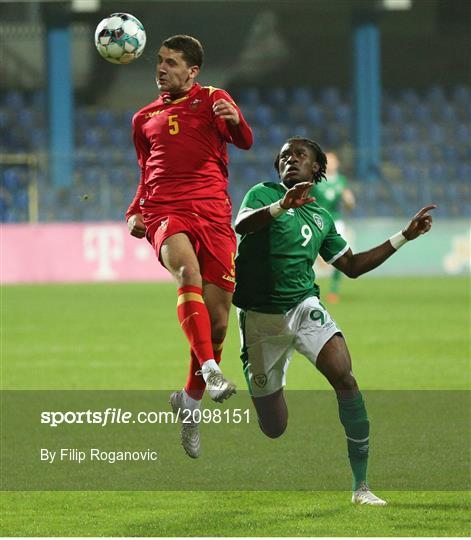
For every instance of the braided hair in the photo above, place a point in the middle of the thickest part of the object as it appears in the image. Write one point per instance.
(321, 158)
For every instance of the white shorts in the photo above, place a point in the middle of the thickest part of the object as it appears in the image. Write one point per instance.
(269, 340)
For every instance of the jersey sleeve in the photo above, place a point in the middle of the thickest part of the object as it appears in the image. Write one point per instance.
(142, 150)
(258, 197)
(240, 135)
(333, 245)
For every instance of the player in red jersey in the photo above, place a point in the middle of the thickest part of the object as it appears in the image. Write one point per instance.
(183, 208)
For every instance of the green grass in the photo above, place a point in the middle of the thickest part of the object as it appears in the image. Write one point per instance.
(217, 513)
(402, 334)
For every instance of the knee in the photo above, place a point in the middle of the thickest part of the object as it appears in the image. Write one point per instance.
(188, 274)
(272, 429)
(346, 382)
(218, 331)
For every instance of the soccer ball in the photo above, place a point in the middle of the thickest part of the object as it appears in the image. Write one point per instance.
(120, 38)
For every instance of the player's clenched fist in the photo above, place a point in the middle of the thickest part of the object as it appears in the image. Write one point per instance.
(136, 226)
(226, 111)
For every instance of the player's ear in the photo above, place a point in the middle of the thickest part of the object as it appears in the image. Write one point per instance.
(194, 70)
(316, 167)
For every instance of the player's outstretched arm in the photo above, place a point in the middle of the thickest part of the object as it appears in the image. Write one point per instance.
(136, 226)
(250, 221)
(354, 265)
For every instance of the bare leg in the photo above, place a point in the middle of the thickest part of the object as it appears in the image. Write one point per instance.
(180, 259)
(272, 413)
(335, 364)
(218, 301)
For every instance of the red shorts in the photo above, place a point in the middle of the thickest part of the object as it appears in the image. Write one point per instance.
(214, 244)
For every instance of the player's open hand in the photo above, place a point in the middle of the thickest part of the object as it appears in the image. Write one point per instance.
(421, 223)
(226, 111)
(136, 226)
(297, 196)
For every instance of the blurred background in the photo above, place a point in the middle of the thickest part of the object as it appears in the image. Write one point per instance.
(386, 84)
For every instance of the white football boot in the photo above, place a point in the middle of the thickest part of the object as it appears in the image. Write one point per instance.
(363, 495)
(218, 387)
(190, 432)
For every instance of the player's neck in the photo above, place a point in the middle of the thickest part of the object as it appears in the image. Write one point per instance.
(181, 93)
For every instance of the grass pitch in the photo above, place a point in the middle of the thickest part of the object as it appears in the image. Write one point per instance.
(402, 334)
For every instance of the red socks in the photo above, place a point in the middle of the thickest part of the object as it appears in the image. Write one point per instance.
(195, 384)
(194, 320)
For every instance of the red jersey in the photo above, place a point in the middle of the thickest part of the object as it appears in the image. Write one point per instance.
(181, 148)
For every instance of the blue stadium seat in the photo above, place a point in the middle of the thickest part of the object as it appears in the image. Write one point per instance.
(249, 96)
(14, 100)
(25, 118)
(278, 134)
(436, 96)
(38, 139)
(436, 133)
(462, 133)
(395, 114)
(448, 114)
(425, 146)
(409, 132)
(92, 176)
(263, 115)
(314, 114)
(423, 153)
(421, 113)
(409, 97)
(301, 96)
(13, 179)
(277, 97)
(93, 137)
(330, 97)
(343, 113)
(118, 137)
(106, 119)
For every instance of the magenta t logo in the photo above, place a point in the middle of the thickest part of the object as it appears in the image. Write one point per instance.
(105, 245)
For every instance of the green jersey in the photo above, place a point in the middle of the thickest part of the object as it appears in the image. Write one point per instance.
(274, 266)
(328, 194)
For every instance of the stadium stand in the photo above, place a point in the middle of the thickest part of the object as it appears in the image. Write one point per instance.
(426, 154)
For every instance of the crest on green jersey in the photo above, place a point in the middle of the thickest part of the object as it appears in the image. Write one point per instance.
(260, 380)
(319, 221)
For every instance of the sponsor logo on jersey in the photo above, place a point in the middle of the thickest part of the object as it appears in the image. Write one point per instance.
(164, 224)
(290, 212)
(194, 104)
(318, 221)
(142, 201)
(151, 114)
(231, 276)
(260, 380)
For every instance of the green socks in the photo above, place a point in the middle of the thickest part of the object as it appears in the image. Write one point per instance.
(335, 281)
(352, 412)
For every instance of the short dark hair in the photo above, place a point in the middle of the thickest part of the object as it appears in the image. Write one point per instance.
(190, 47)
(320, 157)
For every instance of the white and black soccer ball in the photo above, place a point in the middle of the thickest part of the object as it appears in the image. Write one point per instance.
(120, 38)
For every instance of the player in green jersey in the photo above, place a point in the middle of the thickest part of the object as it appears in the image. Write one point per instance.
(334, 195)
(282, 232)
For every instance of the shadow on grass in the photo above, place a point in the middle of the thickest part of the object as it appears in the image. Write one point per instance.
(432, 506)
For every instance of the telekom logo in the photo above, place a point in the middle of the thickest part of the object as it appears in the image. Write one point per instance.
(105, 245)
